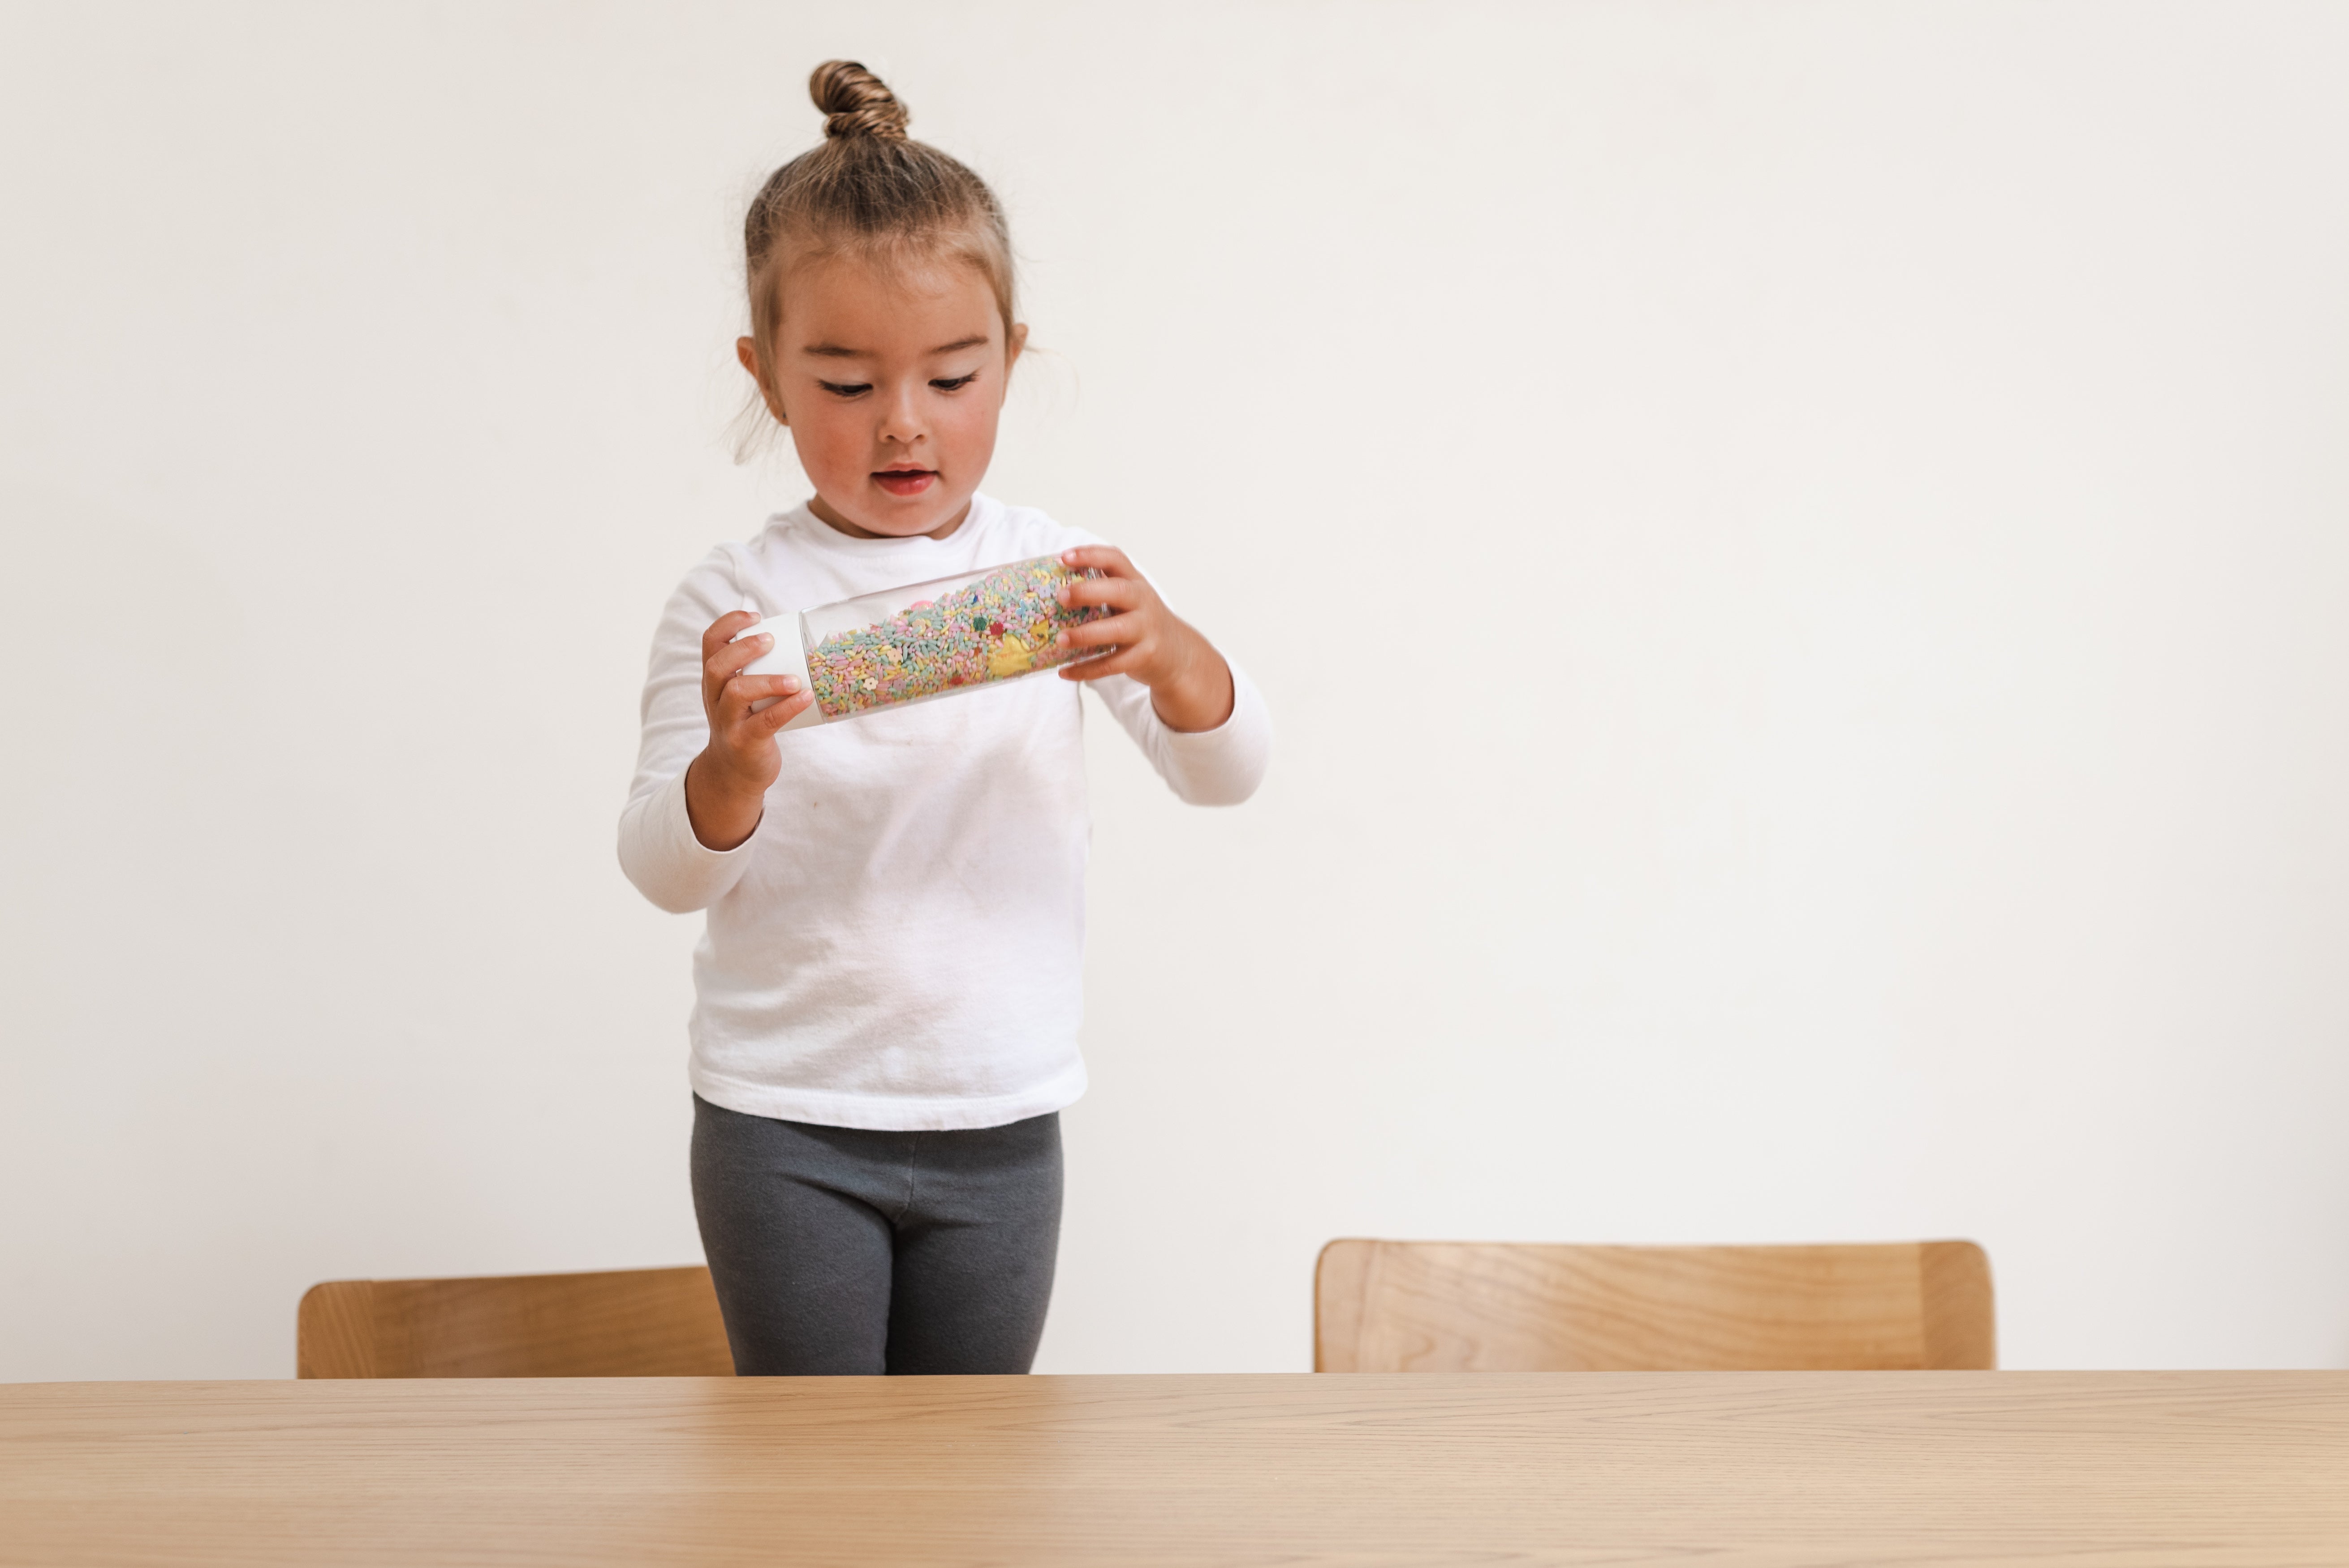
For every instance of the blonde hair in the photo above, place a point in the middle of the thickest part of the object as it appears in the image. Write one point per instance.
(869, 191)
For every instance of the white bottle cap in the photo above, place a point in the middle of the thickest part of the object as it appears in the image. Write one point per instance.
(787, 657)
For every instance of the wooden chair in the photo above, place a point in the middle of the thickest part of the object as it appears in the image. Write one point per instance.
(636, 1323)
(1452, 1306)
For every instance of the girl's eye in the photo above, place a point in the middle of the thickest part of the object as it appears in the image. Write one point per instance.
(955, 384)
(846, 388)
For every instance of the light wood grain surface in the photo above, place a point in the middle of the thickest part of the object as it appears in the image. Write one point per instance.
(1726, 1469)
(1516, 1306)
(628, 1323)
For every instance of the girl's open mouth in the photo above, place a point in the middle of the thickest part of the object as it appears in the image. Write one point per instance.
(905, 482)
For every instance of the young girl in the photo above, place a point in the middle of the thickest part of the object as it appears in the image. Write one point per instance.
(885, 1028)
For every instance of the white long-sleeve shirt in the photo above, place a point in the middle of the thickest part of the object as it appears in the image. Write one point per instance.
(899, 945)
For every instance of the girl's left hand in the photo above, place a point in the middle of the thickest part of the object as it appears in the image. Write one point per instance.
(1190, 685)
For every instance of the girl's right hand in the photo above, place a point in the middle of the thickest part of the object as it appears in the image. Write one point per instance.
(726, 787)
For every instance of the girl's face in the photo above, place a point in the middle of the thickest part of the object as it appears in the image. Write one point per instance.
(892, 382)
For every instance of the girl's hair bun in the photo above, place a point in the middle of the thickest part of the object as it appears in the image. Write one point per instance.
(855, 102)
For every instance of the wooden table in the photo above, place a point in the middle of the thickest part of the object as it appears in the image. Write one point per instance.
(1720, 1471)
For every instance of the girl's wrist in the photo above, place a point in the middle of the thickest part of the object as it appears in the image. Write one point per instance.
(711, 772)
(723, 806)
(1198, 694)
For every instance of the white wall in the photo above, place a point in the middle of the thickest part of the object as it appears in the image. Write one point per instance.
(1798, 552)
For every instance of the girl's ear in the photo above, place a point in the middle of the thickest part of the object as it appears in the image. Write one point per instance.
(1014, 341)
(747, 351)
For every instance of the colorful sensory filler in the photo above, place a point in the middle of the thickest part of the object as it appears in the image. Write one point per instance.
(1001, 626)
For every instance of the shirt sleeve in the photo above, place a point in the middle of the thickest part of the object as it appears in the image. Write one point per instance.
(1218, 766)
(657, 850)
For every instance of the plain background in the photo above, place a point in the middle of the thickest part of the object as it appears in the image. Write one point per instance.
(1797, 552)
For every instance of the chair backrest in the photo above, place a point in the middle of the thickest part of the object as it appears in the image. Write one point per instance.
(634, 1323)
(1455, 1306)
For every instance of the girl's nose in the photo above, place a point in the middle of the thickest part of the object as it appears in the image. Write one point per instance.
(901, 419)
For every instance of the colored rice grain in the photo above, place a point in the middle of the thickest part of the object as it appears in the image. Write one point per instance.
(999, 627)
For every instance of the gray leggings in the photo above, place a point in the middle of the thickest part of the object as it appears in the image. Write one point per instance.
(843, 1252)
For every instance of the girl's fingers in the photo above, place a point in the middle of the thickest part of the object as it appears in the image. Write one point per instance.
(1117, 593)
(1099, 558)
(734, 701)
(730, 658)
(725, 628)
(1111, 629)
(1117, 664)
(781, 713)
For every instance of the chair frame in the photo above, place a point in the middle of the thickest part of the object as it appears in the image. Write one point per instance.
(1381, 1305)
(628, 1323)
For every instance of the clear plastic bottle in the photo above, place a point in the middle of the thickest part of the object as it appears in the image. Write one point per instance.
(925, 640)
